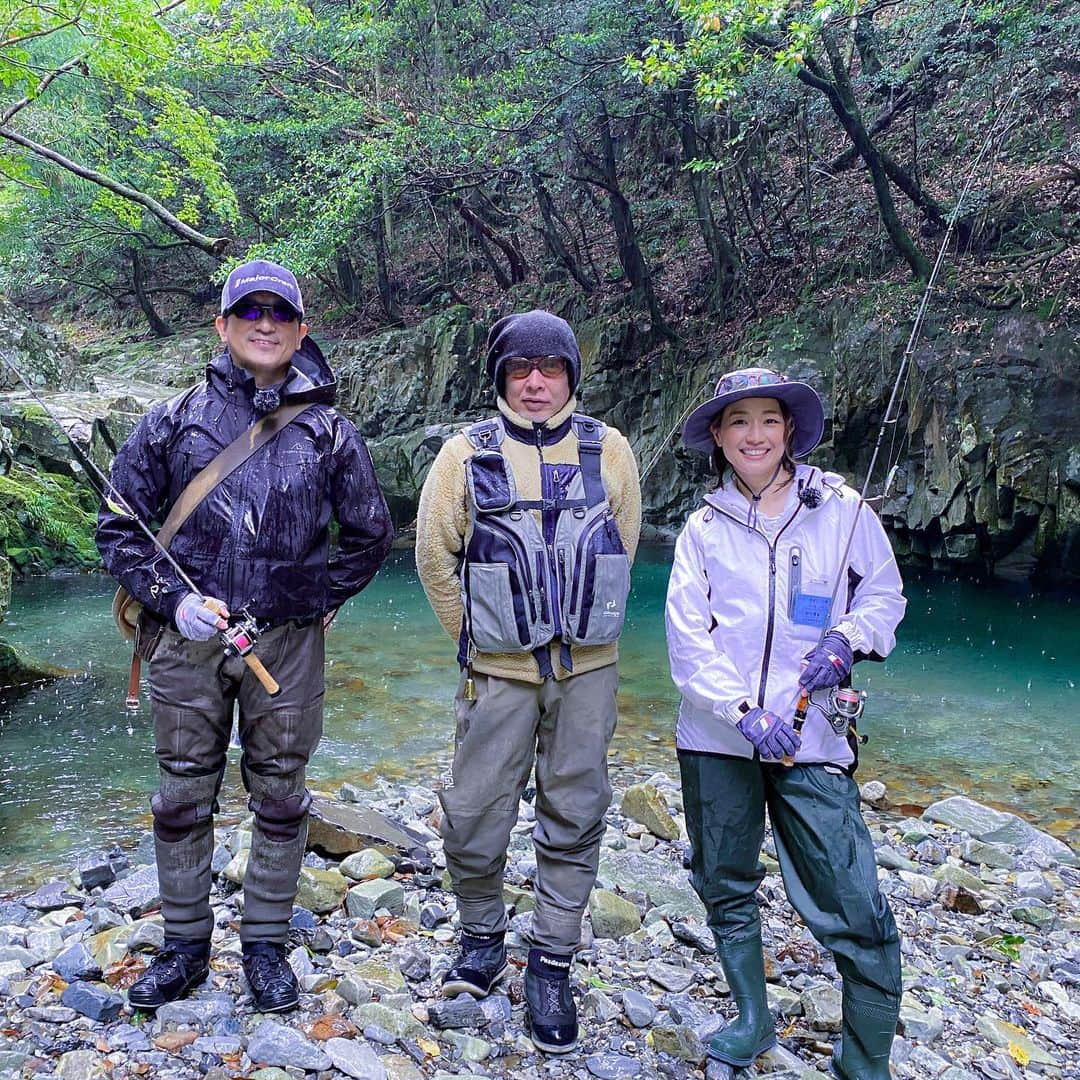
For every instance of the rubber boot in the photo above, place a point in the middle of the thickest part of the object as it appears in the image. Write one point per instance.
(753, 1032)
(866, 1034)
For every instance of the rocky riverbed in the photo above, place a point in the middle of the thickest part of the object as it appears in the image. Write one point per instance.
(989, 910)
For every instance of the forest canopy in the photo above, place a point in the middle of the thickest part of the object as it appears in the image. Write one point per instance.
(702, 160)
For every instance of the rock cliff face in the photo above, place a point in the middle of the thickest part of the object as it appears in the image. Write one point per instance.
(986, 450)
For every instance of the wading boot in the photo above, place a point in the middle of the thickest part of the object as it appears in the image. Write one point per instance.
(753, 1031)
(479, 966)
(174, 971)
(553, 1025)
(866, 1034)
(271, 978)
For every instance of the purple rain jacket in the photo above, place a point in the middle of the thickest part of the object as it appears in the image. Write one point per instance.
(260, 539)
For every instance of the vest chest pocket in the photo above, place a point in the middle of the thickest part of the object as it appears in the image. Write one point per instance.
(500, 594)
(595, 584)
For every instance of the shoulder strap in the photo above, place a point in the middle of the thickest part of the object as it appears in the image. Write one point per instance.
(486, 434)
(231, 458)
(590, 435)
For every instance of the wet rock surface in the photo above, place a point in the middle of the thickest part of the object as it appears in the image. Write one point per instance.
(990, 982)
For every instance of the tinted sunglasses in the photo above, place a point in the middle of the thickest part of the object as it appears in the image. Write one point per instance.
(252, 311)
(520, 367)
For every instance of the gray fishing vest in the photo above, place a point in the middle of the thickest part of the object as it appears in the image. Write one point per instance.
(520, 592)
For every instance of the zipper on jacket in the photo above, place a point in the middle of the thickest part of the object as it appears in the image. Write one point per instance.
(767, 654)
(771, 624)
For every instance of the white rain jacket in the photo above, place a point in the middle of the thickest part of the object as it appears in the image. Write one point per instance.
(736, 632)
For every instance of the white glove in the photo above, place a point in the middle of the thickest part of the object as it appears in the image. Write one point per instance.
(196, 621)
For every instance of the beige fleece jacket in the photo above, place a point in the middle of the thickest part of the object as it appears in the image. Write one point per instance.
(443, 527)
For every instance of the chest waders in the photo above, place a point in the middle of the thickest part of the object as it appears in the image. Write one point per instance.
(525, 583)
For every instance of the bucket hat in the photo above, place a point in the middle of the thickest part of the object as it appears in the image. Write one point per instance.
(807, 414)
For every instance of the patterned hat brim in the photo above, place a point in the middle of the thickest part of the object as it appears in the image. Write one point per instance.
(807, 415)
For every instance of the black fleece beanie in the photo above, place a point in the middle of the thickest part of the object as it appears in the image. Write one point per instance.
(532, 333)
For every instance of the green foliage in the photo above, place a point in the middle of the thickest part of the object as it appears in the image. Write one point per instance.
(404, 150)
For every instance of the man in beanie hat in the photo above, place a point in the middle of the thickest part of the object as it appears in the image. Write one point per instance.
(527, 525)
(257, 540)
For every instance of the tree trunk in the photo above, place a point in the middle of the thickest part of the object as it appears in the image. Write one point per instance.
(680, 107)
(841, 97)
(349, 279)
(387, 295)
(208, 244)
(486, 234)
(631, 258)
(553, 238)
(138, 283)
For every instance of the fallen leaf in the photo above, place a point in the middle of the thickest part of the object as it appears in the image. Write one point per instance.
(429, 1046)
(330, 1027)
(1019, 1054)
(124, 972)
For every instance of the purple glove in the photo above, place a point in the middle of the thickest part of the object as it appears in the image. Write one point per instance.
(196, 621)
(771, 736)
(828, 663)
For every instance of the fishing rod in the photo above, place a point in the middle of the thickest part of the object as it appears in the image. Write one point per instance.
(847, 703)
(238, 639)
(102, 485)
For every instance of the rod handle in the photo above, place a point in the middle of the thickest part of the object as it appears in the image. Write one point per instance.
(269, 684)
(800, 718)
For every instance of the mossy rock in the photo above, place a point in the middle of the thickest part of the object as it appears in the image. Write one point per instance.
(46, 520)
(17, 670)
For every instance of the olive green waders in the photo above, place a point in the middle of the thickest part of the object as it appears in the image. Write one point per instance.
(827, 861)
(564, 726)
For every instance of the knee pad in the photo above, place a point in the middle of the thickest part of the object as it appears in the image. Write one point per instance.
(280, 818)
(181, 803)
(172, 820)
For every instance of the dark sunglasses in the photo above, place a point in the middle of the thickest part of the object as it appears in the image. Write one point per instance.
(252, 311)
(520, 367)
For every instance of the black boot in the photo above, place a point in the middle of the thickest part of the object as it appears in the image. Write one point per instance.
(553, 1025)
(273, 984)
(479, 966)
(174, 971)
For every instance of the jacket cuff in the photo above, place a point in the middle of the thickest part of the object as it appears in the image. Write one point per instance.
(734, 711)
(856, 640)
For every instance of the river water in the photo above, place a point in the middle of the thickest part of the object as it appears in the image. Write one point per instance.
(979, 698)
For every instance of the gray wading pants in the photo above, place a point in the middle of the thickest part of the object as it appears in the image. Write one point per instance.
(193, 689)
(565, 726)
(825, 853)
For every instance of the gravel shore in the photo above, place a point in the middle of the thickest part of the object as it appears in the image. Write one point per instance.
(988, 907)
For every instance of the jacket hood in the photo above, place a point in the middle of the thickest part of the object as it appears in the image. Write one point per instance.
(310, 378)
(814, 488)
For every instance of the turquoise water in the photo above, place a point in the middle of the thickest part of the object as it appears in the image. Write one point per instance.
(979, 698)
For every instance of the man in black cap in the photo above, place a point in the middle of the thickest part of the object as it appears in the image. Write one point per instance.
(527, 525)
(257, 543)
